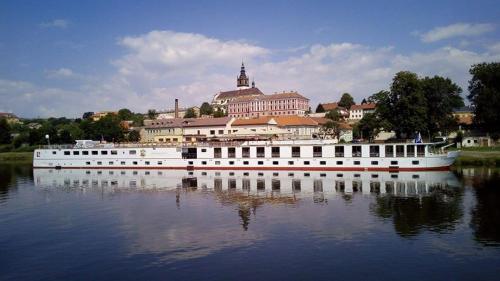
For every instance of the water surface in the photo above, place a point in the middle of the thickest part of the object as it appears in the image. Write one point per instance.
(179, 225)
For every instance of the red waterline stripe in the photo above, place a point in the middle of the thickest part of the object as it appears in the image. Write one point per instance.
(361, 169)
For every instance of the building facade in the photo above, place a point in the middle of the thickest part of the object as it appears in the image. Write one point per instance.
(291, 103)
(357, 111)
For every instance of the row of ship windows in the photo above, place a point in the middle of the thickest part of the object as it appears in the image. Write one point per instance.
(290, 163)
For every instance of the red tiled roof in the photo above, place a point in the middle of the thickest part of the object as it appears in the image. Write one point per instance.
(364, 106)
(320, 120)
(262, 120)
(330, 106)
(240, 93)
(294, 120)
(270, 97)
(207, 122)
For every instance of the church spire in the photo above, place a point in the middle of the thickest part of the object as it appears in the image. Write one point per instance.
(242, 80)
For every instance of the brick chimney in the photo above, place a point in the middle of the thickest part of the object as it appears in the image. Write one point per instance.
(176, 108)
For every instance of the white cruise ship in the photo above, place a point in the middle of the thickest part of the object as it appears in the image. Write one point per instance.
(307, 155)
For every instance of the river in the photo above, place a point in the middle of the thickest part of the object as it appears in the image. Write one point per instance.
(224, 225)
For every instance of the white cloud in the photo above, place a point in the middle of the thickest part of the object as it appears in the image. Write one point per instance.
(162, 65)
(57, 23)
(455, 30)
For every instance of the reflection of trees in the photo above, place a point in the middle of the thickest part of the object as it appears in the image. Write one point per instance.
(9, 175)
(439, 212)
(486, 214)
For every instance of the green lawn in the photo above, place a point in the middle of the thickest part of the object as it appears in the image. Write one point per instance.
(10, 157)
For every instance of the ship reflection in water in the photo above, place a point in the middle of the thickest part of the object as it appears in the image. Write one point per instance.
(246, 225)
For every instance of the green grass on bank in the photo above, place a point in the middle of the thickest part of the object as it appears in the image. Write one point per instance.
(479, 157)
(18, 157)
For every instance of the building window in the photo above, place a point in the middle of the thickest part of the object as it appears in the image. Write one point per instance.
(212, 132)
(389, 151)
(221, 132)
(296, 151)
(231, 152)
(339, 151)
(374, 151)
(260, 152)
(217, 152)
(104, 152)
(317, 151)
(356, 151)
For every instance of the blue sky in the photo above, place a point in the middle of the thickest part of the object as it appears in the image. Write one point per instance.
(61, 58)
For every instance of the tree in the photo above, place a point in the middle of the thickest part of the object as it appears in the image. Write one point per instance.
(206, 109)
(190, 113)
(134, 136)
(346, 101)
(320, 108)
(369, 126)
(125, 114)
(5, 131)
(334, 115)
(87, 115)
(331, 128)
(152, 114)
(484, 89)
(364, 101)
(441, 95)
(219, 113)
(109, 128)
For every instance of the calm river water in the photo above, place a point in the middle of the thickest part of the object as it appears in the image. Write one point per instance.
(180, 225)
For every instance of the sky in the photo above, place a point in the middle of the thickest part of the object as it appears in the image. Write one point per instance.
(63, 58)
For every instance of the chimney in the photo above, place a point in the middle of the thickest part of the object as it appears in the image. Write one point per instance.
(176, 108)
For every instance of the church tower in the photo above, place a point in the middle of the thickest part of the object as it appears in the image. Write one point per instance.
(242, 80)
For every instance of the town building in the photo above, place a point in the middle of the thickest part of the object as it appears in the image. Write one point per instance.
(357, 111)
(163, 130)
(196, 129)
(464, 115)
(324, 108)
(98, 115)
(11, 118)
(221, 99)
(291, 103)
(170, 113)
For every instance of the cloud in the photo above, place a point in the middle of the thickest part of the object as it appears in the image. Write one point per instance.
(455, 30)
(57, 23)
(159, 66)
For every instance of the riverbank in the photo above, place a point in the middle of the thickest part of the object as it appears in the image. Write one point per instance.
(16, 157)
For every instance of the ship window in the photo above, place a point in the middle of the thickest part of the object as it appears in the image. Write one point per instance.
(231, 174)
(400, 151)
(132, 152)
(275, 162)
(203, 173)
(295, 151)
(340, 162)
(261, 184)
(203, 162)
(410, 151)
(260, 174)
(357, 162)
(322, 175)
(110, 163)
(307, 174)
(245, 152)
(275, 151)
(122, 162)
(85, 152)
(135, 162)
(203, 149)
(217, 162)
(260, 152)
(415, 176)
(307, 162)
(389, 151)
(275, 174)
(95, 152)
(260, 163)
(104, 152)
(66, 153)
(420, 150)
(357, 175)
(290, 162)
(231, 162)
(394, 176)
(99, 163)
(340, 175)
(296, 185)
(159, 162)
(374, 151)
(374, 176)
(317, 151)
(114, 152)
(339, 151)
(374, 162)
(76, 152)
(275, 184)
(217, 152)
(356, 151)
(322, 162)
(147, 162)
(394, 162)
(231, 152)
(54, 152)
(190, 162)
(88, 163)
(416, 162)
(245, 162)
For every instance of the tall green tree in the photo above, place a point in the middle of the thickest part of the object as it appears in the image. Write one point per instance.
(484, 89)
(87, 115)
(109, 129)
(206, 109)
(152, 114)
(134, 136)
(346, 101)
(219, 113)
(190, 113)
(125, 114)
(5, 131)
